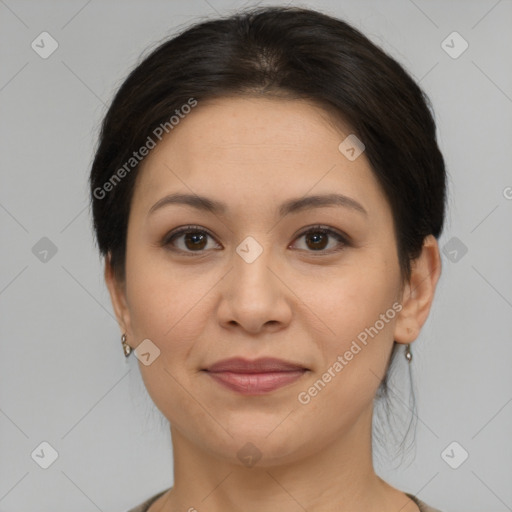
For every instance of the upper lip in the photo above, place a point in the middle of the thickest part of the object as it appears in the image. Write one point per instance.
(261, 365)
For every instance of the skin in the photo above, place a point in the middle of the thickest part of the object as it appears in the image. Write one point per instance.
(293, 302)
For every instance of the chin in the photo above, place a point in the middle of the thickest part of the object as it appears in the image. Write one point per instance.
(263, 445)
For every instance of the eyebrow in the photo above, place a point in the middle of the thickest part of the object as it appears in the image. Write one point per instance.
(291, 206)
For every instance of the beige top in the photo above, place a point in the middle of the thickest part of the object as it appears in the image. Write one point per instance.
(143, 507)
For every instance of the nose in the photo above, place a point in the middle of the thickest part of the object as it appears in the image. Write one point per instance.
(254, 295)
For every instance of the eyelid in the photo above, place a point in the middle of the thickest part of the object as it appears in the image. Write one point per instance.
(341, 237)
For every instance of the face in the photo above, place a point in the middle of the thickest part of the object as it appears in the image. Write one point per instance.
(317, 284)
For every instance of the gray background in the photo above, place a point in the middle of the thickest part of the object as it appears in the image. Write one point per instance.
(63, 377)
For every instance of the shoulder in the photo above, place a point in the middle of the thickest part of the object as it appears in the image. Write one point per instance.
(421, 505)
(143, 507)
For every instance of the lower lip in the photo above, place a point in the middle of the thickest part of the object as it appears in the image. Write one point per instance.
(256, 383)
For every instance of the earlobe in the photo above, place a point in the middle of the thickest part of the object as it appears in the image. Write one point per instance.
(419, 292)
(117, 296)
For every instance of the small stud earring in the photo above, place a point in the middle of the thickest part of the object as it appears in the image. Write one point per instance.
(127, 349)
(408, 353)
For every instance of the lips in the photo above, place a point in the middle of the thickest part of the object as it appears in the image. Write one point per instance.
(262, 365)
(255, 377)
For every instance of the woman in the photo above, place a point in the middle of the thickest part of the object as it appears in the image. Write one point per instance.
(268, 194)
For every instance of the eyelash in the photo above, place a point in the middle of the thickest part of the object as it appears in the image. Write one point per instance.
(170, 237)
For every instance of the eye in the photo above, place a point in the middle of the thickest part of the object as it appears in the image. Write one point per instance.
(195, 239)
(317, 238)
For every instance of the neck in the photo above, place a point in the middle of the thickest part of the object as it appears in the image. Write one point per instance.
(340, 474)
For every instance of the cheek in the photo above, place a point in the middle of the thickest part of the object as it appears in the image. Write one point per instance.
(357, 307)
(163, 314)
(167, 301)
(354, 297)
(165, 306)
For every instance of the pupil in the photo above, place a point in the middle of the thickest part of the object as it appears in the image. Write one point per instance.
(317, 238)
(195, 238)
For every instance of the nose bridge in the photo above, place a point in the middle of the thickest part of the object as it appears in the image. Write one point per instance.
(253, 295)
(251, 261)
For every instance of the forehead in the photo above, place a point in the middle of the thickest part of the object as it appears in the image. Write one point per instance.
(247, 122)
(254, 148)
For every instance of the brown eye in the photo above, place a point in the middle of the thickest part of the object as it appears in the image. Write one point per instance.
(195, 240)
(317, 239)
(188, 239)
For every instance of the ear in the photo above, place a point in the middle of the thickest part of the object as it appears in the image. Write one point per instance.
(419, 292)
(117, 293)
